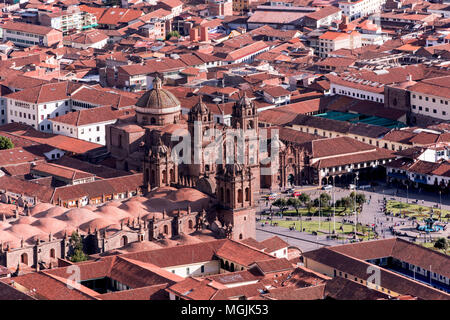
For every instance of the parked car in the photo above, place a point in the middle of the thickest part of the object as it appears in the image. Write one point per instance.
(327, 187)
(297, 193)
(272, 196)
(351, 187)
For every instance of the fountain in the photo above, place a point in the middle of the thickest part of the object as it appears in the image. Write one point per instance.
(430, 226)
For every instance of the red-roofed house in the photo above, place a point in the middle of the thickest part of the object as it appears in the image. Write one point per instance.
(88, 124)
(26, 35)
(277, 95)
(34, 106)
(174, 6)
(331, 41)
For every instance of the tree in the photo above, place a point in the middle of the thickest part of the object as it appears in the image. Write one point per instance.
(5, 143)
(325, 199)
(173, 33)
(281, 204)
(296, 203)
(346, 202)
(441, 244)
(304, 198)
(360, 198)
(309, 206)
(76, 245)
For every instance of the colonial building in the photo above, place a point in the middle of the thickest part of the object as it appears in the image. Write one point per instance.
(209, 157)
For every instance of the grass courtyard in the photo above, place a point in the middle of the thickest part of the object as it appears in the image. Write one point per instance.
(313, 225)
(328, 212)
(416, 210)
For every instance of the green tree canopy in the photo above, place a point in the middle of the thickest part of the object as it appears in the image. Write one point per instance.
(281, 204)
(5, 143)
(304, 198)
(325, 199)
(173, 33)
(76, 246)
(295, 203)
(441, 244)
(346, 202)
(360, 198)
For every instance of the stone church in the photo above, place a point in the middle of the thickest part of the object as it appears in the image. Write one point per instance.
(171, 149)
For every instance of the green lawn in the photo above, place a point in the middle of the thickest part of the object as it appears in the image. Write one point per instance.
(311, 226)
(340, 211)
(416, 210)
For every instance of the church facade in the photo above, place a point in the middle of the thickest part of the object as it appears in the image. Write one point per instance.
(172, 150)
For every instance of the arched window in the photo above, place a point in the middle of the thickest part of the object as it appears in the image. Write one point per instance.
(166, 229)
(24, 258)
(152, 120)
(164, 176)
(227, 266)
(240, 236)
(232, 267)
(240, 197)
(153, 178)
(52, 253)
(221, 194)
(123, 241)
(191, 225)
(172, 175)
(147, 174)
(227, 199)
(247, 194)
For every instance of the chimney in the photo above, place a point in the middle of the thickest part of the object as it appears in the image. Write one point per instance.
(193, 34)
(408, 77)
(204, 34)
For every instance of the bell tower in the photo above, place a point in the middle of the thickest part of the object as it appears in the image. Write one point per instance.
(244, 119)
(234, 192)
(245, 114)
(159, 167)
(200, 121)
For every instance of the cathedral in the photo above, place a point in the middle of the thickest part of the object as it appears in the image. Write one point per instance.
(171, 149)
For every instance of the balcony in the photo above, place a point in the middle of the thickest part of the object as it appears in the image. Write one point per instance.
(419, 180)
(397, 175)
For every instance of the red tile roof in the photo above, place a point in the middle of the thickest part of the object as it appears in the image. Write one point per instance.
(31, 28)
(274, 265)
(116, 16)
(273, 244)
(64, 143)
(92, 116)
(50, 92)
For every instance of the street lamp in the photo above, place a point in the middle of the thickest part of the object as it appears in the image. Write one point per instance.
(334, 209)
(271, 215)
(319, 208)
(440, 205)
(407, 195)
(356, 187)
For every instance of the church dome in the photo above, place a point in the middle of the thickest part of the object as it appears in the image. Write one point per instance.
(158, 100)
